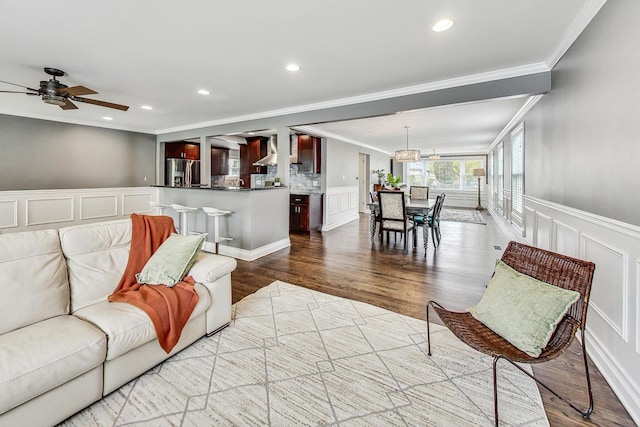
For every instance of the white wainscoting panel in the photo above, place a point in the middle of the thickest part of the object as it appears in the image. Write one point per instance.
(565, 239)
(136, 203)
(611, 267)
(8, 213)
(543, 232)
(92, 207)
(637, 306)
(341, 206)
(42, 209)
(613, 320)
(49, 210)
(353, 200)
(529, 224)
(459, 199)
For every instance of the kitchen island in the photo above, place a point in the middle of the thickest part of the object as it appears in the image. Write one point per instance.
(258, 224)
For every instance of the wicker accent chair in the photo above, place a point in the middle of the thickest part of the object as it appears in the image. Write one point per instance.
(550, 267)
(393, 216)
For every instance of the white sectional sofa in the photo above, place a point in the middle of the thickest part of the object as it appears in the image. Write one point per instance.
(62, 345)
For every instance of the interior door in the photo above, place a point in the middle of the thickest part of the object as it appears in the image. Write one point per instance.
(363, 182)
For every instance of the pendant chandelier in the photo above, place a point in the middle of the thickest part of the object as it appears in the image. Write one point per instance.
(434, 156)
(407, 155)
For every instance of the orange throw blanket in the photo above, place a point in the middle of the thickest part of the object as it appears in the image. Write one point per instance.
(168, 308)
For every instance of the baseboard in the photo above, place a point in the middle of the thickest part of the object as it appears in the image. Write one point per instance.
(343, 221)
(244, 254)
(617, 379)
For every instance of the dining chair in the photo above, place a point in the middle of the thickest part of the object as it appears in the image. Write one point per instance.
(542, 265)
(393, 216)
(432, 220)
(417, 192)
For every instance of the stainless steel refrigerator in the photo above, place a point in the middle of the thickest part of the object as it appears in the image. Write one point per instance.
(182, 173)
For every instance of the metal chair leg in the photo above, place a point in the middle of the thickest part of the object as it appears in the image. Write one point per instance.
(585, 413)
(495, 390)
(430, 303)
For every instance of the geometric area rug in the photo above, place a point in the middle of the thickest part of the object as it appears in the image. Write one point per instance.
(462, 215)
(293, 356)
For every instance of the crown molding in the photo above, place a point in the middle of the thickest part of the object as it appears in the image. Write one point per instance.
(528, 105)
(77, 122)
(320, 132)
(375, 96)
(584, 17)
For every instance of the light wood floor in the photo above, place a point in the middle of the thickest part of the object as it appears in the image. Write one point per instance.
(346, 263)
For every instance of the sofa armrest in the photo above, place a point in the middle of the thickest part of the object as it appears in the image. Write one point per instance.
(209, 267)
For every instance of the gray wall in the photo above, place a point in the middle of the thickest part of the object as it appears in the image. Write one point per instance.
(582, 140)
(41, 154)
(342, 160)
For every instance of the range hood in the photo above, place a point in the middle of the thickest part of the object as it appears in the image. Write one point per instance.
(272, 157)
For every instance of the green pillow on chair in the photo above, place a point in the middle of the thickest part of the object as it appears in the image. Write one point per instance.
(172, 260)
(521, 309)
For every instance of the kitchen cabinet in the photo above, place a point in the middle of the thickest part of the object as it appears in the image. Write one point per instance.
(255, 150)
(305, 212)
(219, 161)
(182, 150)
(309, 154)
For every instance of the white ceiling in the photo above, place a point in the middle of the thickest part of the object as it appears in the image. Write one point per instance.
(450, 129)
(160, 53)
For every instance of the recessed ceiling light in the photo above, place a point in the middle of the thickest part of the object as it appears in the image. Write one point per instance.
(107, 118)
(293, 67)
(203, 92)
(147, 107)
(442, 25)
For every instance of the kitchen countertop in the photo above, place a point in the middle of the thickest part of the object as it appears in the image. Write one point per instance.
(223, 188)
(304, 193)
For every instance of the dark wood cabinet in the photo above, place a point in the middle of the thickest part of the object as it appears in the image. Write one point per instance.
(305, 212)
(255, 150)
(309, 154)
(182, 150)
(219, 161)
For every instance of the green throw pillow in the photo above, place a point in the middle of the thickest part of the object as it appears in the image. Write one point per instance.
(521, 309)
(172, 260)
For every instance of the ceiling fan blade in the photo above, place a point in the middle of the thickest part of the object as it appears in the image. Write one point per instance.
(101, 103)
(15, 84)
(77, 90)
(69, 106)
(15, 91)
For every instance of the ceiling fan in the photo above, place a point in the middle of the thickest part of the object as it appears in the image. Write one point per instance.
(56, 93)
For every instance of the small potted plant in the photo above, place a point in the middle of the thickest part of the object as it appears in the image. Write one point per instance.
(276, 181)
(379, 173)
(394, 181)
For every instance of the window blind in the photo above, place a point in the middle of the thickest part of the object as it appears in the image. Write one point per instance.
(517, 169)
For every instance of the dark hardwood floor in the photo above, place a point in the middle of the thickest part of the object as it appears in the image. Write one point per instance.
(346, 263)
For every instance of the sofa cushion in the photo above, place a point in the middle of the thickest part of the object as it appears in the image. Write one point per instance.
(42, 356)
(97, 255)
(171, 261)
(34, 282)
(209, 267)
(127, 326)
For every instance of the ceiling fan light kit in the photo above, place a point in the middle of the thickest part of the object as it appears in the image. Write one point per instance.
(55, 93)
(407, 155)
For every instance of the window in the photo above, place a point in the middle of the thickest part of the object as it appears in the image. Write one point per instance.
(517, 170)
(445, 174)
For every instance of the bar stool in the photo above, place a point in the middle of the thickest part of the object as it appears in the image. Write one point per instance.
(184, 217)
(216, 214)
(159, 206)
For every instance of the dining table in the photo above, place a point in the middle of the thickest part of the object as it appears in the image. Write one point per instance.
(411, 207)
